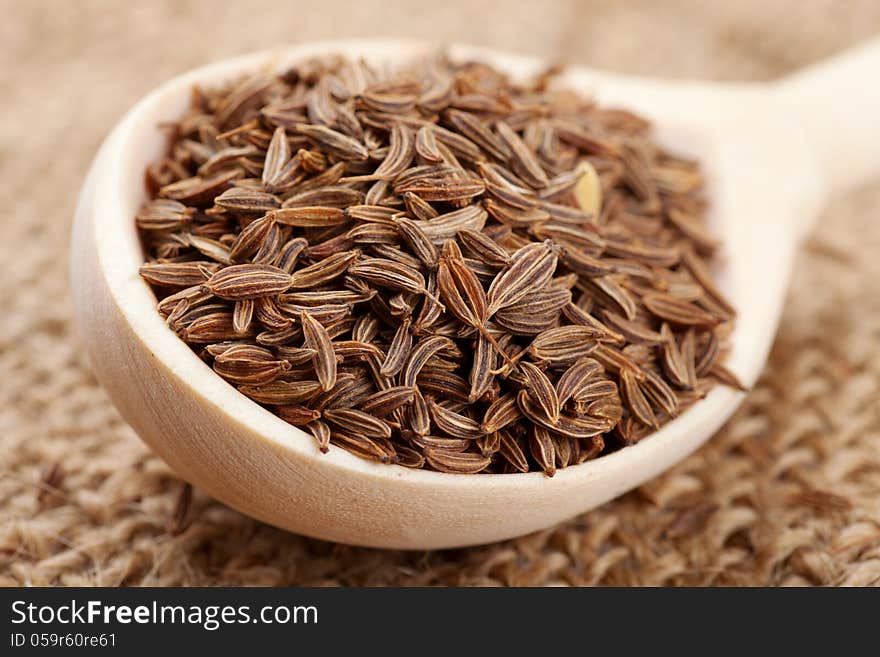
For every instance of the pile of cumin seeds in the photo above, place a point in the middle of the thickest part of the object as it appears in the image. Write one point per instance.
(437, 267)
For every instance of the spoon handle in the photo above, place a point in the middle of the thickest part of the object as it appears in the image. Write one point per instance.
(838, 103)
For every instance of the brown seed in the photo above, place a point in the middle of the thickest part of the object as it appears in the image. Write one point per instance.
(542, 449)
(358, 421)
(573, 427)
(419, 241)
(421, 352)
(295, 355)
(585, 265)
(267, 313)
(660, 394)
(384, 402)
(460, 289)
(590, 391)
(475, 130)
(589, 143)
(249, 365)
(534, 313)
(614, 294)
(522, 159)
(177, 274)
(426, 145)
(698, 270)
(250, 239)
(354, 349)
(709, 354)
(579, 316)
(394, 103)
(336, 143)
(564, 344)
(447, 226)
(297, 415)
(213, 249)
(431, 310)
(678, 311)
(631, 330)
(442, 189)
(323, 297)
(443, 443)
(501, 412)
(442, 383)
(307, 192)
(563, 450)
(614, 360)
(727, 377)
(334, 196)
(240, 199)
(541, 390)
(512, 451)
(270, 247)
(310, 216)
(390, 274)
(419, 208)
(505, 186)
(635, 399)
(456, 462)
(419, 416)
(652, 256)
(373, 213)
(242, 315)
(453, 424)
(282, 392)
(398, 351)
(512, 216)
(483, 368)
(324, 270)
(530, 268)
(326, 314)
(674, 363)
(409, 458)
(213, 327)
(321, 433)
(223, 158)
(489, 444)
(456, 143)
(400, 153)
(376, 449)
(193, 296)
(332, 246)
(245, 95)
(608, 408)
(199, 191)
(484, 247)
(351, 388)
(688, 353)
(290, 253)
(578, 375)
(248, 282)
(692, 228)
(163, 214)
(276, 158)
(316, 338)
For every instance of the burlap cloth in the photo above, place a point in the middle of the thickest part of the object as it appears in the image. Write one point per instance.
(787, 493)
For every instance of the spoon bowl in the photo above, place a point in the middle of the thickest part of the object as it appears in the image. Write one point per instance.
(766, 181)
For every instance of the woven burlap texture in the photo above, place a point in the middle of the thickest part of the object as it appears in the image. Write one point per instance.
(787, 493)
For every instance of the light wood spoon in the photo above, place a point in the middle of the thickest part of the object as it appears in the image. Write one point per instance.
(771, 152)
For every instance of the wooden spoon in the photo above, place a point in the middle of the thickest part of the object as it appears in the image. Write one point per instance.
(772, 153)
